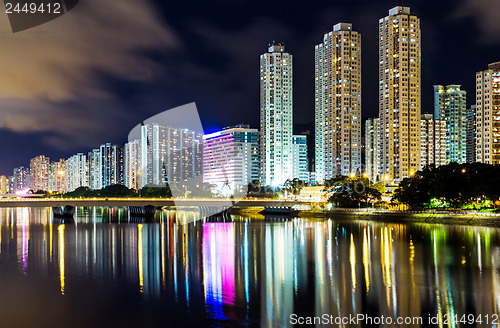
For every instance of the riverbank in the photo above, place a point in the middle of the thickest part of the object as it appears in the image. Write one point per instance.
(470, 219)
(461, 218)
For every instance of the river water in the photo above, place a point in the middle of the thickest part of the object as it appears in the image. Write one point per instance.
(106, 270)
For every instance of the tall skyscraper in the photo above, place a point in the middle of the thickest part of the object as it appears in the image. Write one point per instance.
(276, 115)
(450, 105)
(470, 157)
(169, 154)
(338, 103)
(488, 115)
(433, 141)
(77, 174)
(399, 94)
(372, 142)
(39, 173)
(132, 164)
(231, 158)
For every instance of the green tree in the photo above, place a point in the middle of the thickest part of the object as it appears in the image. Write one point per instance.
(351, 192)
(293, 186)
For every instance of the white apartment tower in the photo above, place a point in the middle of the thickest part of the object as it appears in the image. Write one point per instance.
(399, 94)
(77, 174)
(488, 115)
(338, 103)
(276, 116)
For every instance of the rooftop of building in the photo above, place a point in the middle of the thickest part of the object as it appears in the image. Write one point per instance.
(494, 66)
(399, 10)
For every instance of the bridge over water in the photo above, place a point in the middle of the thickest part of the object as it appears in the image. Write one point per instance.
(124, 202)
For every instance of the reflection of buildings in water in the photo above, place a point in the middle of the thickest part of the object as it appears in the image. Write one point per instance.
(218, 267)
(277, 278)
(62, 269)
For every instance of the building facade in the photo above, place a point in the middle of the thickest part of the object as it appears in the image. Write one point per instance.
(488, 115)
(433, 141)
(231, 159)
(276, 116)
(39, 173)
(372, 142)
(338, 103)
(300, 158)
(450, 105)
(470, 156)
(399, 94)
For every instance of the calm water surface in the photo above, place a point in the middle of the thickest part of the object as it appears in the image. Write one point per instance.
(103, 271)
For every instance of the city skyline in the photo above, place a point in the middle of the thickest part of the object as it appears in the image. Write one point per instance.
(226, 87)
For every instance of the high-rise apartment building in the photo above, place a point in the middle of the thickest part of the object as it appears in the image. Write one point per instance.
(372, 142)
(470, 156)
(276, 115)
(94, 163)
(488, 115)
(77, 174)
(433, 141)
(132, 164)
(39, 173)
(57, 178)
(300, 158)
(21, 179)
(169, 154)
(399, 94)
(450, 105)
(338, 103)
(231, 159)
(111, 164)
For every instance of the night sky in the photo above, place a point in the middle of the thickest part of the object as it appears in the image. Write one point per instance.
(90, 76)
